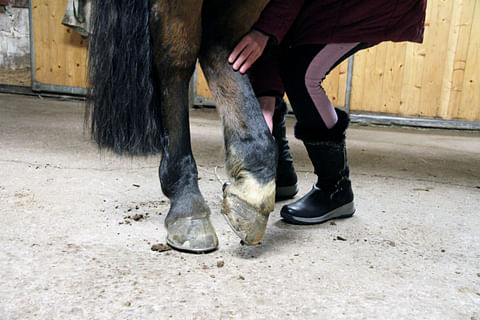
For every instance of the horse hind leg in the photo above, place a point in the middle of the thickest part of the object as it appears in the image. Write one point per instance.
(176, 33)
(250, 149)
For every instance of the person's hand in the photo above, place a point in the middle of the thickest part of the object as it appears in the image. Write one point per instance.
(248, 50)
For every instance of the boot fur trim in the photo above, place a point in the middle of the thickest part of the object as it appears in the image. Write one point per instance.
(336, 134)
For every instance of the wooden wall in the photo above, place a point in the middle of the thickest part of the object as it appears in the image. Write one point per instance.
(60, 54)
(439, 79)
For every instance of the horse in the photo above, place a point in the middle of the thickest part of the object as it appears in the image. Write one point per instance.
(142, 54)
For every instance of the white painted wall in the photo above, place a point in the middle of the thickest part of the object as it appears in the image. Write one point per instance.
(14, 38)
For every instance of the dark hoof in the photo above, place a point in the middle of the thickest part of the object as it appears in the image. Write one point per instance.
(192, 234)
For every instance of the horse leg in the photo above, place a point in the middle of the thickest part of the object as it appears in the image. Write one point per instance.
(250, 149)
(176, 36)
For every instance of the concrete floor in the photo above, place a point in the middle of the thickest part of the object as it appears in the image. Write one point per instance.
(70, 248)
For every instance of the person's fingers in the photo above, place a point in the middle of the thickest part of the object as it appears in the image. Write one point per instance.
(254, 55)
(242, 58)
(247, 51)
(247, 64)
(233, 56)
(238, 50)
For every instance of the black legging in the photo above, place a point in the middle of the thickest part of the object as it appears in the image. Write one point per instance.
(295, 64)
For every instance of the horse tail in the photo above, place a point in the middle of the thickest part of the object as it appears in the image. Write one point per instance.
(123, 108)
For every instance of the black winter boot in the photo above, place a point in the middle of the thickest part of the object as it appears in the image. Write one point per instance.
(332, 196)
(286, 180)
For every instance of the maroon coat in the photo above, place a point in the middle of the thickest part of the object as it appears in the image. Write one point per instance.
(297, 22)
(329, 21)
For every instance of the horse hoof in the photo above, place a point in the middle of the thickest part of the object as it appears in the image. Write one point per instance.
(192, 234)
(245, 220)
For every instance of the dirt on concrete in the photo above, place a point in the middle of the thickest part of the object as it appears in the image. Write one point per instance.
(411, 251)
(18, 77)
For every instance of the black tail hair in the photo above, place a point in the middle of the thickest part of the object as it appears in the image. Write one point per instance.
(122, 104)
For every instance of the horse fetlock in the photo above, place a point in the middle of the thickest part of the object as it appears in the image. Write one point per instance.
(246, 206)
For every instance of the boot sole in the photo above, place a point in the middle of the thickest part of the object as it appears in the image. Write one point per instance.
(286, 192)
(345, 211)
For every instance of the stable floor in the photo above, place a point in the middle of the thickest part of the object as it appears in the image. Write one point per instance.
(77, 226)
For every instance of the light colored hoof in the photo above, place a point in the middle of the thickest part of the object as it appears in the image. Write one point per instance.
(248, 222)
(192, 234)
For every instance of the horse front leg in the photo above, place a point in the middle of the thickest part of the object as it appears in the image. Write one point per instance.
(250, 149)
(176, 40)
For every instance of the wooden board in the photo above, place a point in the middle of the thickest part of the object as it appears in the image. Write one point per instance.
(60, 54)
(438, 79)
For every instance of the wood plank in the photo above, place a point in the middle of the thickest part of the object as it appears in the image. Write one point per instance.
(450, 107)
(455, 48)
(394, 69)
(412, 81)
(443, 17)
(469, 108)
(60, 54)
(376, 99)
(358, 77)
(369, 87)
(414, 63)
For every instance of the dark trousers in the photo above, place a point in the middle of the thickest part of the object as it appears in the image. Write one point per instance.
(294, 64)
